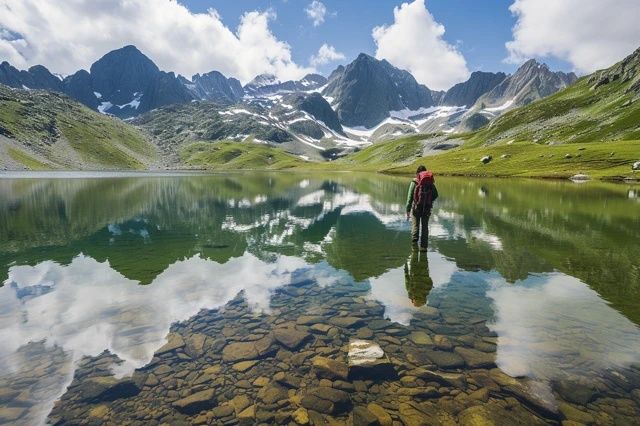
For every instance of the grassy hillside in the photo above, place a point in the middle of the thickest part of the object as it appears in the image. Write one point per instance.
(577, 114)
(46, 130)
(608, 160)
(236, 155)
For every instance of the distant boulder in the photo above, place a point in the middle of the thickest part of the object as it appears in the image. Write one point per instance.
(580, 177)
(636, 166)
(486, 159)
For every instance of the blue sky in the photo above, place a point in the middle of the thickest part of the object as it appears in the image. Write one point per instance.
(439, 41)
(479, 29)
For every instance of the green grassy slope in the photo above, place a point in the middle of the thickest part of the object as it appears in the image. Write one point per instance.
(46, 130)
(236, 155)
(608, 160)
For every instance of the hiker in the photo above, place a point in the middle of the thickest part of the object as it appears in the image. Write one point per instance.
(417, 279)
(422, 193)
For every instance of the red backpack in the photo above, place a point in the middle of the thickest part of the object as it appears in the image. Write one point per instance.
(423, 193)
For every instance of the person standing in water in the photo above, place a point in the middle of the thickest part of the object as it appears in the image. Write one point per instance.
(420, 197)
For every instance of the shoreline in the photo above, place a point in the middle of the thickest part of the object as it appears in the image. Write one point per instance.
(123, 173)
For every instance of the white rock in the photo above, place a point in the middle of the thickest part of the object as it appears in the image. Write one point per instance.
(636, 166)
(580, 177)
(363, 352)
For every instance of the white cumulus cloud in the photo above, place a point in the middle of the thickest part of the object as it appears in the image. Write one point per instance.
(414, 42)
(326, 54)
(69, 35)
(316, 11)
(590, 34)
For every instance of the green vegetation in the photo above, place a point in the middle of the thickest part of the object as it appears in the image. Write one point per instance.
(47, 130)
(577, 114)
(610, 160)
(236, 155)
(384, 155)
(26, 160)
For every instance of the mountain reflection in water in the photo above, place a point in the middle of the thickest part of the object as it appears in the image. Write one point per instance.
(554, 269)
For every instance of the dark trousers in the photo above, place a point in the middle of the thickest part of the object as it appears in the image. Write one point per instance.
(420, 229)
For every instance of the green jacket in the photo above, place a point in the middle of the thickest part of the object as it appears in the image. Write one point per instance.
(412, 188)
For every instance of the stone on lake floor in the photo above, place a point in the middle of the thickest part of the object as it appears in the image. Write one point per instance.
(569, 412)
(367, 360)
(326, 368)
(196, 402)
(107, 388)
(240, 402)
(384, 418)
(420, 338)
(247, 416)
(363, 417)
(475, 358)
(309, 319)
(272, 393)
(243, 366)
(287, 379)
(576, 392)
(346, 322)
(443, 359)
(535, 395)
(326, 400)
(174, 342)
(378, 324)
(244, 351)
(320, 328)
(195, 344)
(290, 337)
(442, 342)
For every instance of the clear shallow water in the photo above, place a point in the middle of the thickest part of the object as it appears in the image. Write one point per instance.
(525, 308)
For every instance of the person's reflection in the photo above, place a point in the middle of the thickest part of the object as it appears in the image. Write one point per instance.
(416, 277)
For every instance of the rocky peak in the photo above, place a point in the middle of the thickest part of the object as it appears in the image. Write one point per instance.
(627, 70)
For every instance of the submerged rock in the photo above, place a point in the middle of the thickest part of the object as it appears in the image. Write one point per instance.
(326, 400)
(196, 402)
(244, 351)
(443, 359)
(290, 337)
(174, 342)
(368, 360)
(326, 368)
(475, 358)
(384, 418)
(107, 389)
(420, 338)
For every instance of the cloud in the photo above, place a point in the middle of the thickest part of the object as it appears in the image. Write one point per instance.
(590, 34)
(66, 36)
(414, 42)
(325, 55)
(316, 11)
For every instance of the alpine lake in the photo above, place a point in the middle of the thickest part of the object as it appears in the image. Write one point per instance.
(256, 298)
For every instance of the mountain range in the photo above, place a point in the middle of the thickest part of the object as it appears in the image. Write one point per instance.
(364, 93)
(548, 122)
